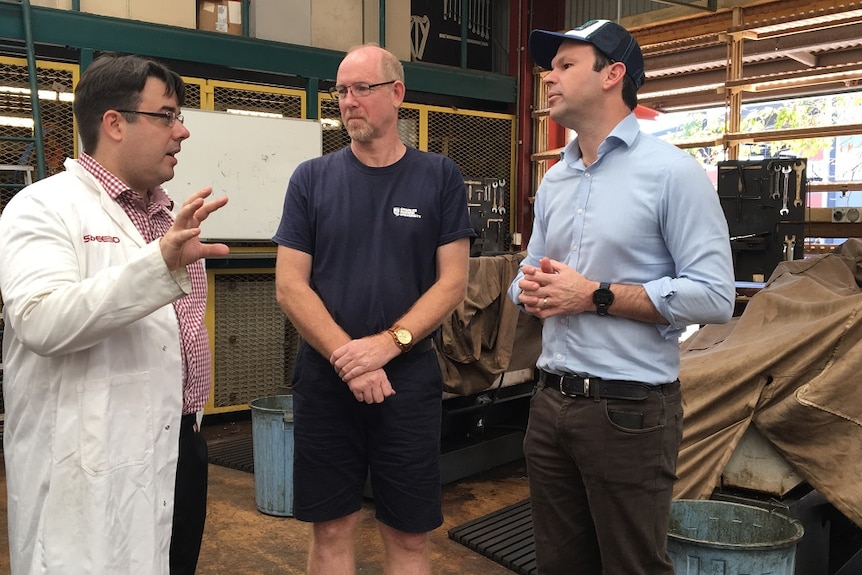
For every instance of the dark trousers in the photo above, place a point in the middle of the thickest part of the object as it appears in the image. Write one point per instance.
(190, 499)
(601, 481)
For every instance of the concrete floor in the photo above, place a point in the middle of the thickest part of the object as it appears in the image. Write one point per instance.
(239, 539)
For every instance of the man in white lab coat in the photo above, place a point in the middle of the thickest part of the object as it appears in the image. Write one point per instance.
(97, 279)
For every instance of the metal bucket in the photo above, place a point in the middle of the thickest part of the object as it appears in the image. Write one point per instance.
(272, 445)
(708, 537)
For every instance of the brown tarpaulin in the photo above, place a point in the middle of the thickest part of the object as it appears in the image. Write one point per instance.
(487, 334)
(790, 364)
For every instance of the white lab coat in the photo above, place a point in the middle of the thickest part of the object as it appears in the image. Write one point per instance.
(92, 383)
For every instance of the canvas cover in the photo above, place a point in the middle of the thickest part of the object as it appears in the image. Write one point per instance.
(487, 334)
(789, 364)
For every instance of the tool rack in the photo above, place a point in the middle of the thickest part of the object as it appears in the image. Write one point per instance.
(486, 203)
(764, 203)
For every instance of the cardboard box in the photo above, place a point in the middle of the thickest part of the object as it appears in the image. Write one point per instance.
(281, 21)
(168, 12)
(220, 16)
(60, 4)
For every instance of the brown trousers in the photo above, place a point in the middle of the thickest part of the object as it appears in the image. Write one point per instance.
(601, 480)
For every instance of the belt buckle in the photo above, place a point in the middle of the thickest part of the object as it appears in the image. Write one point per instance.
(585, 387)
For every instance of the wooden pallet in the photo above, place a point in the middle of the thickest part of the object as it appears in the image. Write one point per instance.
(504, 536)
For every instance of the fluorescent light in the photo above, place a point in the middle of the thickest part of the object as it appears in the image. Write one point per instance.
(43, 94)
(255, 113)
(16, 122)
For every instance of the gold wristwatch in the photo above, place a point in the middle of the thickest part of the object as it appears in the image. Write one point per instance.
(402, 336)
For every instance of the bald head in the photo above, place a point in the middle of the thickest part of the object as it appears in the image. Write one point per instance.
(382, 60)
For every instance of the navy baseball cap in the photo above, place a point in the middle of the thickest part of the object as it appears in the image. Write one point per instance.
(610, 38)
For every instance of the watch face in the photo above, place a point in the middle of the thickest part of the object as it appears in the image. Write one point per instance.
(404, 336)
(603, 297)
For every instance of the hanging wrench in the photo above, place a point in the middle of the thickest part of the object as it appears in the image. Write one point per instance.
(494, 186)
(785, 170)
(773, 179)
(789, 245)
(799, 168)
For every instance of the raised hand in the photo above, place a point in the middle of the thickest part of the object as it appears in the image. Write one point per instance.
(180, 245)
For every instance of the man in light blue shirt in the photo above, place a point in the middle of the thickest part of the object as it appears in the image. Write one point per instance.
(629, 247)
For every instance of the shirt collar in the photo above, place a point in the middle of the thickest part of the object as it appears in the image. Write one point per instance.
(623, 133)
(115, 187)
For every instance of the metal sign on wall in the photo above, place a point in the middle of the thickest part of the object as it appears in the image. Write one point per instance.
(435, 32)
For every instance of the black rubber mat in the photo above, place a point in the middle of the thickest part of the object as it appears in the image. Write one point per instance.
(504, 536)
(234, 452)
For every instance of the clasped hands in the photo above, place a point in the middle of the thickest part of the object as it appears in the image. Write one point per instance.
(360, 363)
(554, 288)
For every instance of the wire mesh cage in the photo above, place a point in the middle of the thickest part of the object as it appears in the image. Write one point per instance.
(255, 345)
(193, 93)
(480, 143)
(248, 98)
(17, 156)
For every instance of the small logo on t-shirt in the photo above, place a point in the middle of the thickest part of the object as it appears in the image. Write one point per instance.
(406, 212)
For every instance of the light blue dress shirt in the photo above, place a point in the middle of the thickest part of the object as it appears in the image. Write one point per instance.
(643, 213)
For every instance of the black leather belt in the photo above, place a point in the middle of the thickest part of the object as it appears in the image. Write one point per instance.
(595, 387)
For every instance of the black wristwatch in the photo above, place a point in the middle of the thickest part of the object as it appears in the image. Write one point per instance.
(603, 298)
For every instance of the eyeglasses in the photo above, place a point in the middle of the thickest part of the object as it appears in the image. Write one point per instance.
(360, 89)
(168, 117)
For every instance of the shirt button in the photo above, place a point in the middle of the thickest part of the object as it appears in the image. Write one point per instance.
(164, 348)
(574, 248)
(586, 174)
(580, 210)
(168, 427)
(559, 356)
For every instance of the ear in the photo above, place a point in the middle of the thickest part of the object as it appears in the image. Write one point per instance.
(615, 74)
(113, 126)
(399, 90)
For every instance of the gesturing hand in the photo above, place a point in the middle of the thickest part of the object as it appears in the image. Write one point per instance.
(180, 245)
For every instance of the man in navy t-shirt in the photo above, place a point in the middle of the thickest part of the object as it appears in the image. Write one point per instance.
(373, 255)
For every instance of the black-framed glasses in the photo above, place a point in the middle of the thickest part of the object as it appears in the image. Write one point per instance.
(168, 117)
(360, 89)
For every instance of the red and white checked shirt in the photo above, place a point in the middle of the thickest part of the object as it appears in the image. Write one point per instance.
(153, 220)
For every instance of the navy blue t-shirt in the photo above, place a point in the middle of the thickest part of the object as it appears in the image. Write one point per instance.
(373, 233)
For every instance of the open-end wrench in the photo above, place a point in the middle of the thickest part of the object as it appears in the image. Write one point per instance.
(494, 186)
(799, 168)
(785, 170)
(773, 180)
(789, 245)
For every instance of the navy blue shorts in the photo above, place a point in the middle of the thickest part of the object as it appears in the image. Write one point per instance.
(339, 439)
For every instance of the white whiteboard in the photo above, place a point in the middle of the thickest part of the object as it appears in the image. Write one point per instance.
(249, 159)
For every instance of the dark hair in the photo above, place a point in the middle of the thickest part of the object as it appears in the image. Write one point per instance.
(115, 82)
(630, 92)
